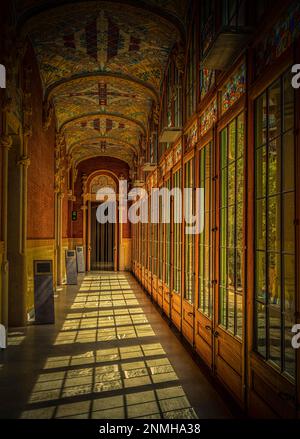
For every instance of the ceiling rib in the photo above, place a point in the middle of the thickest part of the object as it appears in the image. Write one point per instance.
(106, 138)
(49, 5)
(104, 115)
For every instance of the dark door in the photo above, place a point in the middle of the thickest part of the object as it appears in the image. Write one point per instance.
(102, 240)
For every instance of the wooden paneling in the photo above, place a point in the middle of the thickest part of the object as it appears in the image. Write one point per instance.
(188, 321)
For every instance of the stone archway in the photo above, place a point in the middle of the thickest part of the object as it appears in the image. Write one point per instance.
(90, 186)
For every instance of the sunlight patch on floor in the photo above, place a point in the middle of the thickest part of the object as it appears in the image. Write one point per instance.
(130, 381)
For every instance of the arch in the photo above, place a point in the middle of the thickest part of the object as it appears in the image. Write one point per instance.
(99, 138)
(150, 91)
(101, 114)
(115, 156)
(100, 172)
(155, 10)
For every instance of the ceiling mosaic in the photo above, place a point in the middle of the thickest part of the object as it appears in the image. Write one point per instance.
(104, 148)
(78, 131)
(103, 38)
(101, 65)
(174, 8)
(113, 96)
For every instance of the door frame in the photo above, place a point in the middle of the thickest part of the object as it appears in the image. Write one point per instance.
(88, 199)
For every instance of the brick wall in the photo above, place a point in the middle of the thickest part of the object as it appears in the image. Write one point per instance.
(41, 169)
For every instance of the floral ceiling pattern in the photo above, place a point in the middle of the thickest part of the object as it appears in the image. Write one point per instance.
(101, 65)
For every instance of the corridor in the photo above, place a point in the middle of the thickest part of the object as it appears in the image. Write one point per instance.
(150, 148)
(110, 355)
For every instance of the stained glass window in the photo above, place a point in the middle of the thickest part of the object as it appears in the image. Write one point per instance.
(207, 80)
(192, 136)
(280, 37)
(208, 117)
(234, 88)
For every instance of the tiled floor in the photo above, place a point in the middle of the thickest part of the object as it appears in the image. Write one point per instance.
(109, 355)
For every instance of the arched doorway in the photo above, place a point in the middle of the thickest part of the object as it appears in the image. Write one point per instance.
(102, 240)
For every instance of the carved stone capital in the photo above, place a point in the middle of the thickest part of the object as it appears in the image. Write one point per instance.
(6, 104)
(5, 141)
(179, 57)
(24, 161)
(27, 131)
(4, 266)
(48, 111)
(156, 112)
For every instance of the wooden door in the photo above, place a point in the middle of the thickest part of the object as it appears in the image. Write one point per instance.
(228, 329)
(204, 324)
(188, 304)
(176, 294)
(102, 243)
(167, 294)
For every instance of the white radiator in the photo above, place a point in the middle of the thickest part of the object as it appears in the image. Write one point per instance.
(2, 337)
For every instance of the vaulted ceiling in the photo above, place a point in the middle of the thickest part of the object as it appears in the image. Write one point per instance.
(101, 65)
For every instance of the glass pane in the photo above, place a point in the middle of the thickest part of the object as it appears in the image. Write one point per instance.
(223, 267)
(261, 120)
(275, 334)
(260, 220)
(224, 188)
(239, 315)
(231, 313)
(240, 181)
(261, 328)
(261, 172)
(223, 311)
(274, 232)
(224, 148)
(239, 226)
(239, 270)
(274, 167)
(231, 184)
(289, 97)
(274, 279)
(288, 222)
(230, 267)
(231, 226)
(232, 141)
(288, 161)
(289, 305)
(260, 275)
(274, 108)
(240, 135)
(223, 227)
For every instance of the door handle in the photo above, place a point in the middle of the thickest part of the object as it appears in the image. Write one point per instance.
(191, 314)
(216, 334)
(208, 328)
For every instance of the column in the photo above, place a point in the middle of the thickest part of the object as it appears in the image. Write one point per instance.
(5, 144)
